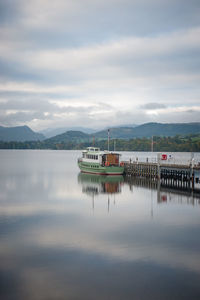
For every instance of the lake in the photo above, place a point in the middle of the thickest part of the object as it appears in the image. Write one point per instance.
(67, 235)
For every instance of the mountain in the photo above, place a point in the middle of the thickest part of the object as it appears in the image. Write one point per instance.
(19, 134)
(150, 129)
(166, 129)
(24, 133)
(69, 136)
(144, 130)
(49, 132)
(116, 132)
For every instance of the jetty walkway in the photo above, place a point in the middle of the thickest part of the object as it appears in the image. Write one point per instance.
(180, 176)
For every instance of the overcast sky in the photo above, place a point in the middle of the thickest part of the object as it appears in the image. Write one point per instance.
(98, 63)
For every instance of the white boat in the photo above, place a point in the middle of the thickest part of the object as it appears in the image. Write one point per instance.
(95, 161)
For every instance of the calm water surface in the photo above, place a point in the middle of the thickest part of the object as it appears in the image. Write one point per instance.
(66, 235)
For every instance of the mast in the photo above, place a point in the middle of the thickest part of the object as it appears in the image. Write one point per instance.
(108, 138)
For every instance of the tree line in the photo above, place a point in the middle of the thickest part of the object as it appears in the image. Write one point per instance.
(189, 143)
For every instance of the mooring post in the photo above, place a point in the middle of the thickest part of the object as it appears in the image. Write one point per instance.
(192, 170)
(158, 165)
(192, 179)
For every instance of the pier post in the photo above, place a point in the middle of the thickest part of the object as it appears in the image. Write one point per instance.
(192, 170)
(158, 191)
(158, 165)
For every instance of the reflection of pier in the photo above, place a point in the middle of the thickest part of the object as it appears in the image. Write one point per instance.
(141, 181)
(175, 196)
(183, 177)
(165, 194)
(94, 185)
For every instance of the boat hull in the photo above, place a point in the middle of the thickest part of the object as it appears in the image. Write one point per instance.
(98, 169)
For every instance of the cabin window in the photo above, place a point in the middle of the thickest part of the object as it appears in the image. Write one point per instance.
(90, 156)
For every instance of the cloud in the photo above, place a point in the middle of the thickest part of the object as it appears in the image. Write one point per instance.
(89, 20)
(95, 52)
(144, 61)
(19, 118)
(34, 109)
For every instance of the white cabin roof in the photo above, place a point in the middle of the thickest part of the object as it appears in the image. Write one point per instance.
(95, 150)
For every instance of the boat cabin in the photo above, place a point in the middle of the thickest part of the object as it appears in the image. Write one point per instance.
(91, 153)
(110, 159)
(105, 158)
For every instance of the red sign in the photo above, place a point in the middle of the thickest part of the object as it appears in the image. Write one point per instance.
(164, 157)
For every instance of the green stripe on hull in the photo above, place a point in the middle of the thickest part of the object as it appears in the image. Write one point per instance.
(98, 169)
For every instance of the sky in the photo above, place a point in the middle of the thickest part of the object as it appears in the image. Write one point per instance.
(99, 63)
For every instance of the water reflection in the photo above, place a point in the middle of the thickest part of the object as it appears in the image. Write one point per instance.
(52, 246)
(100, 184)
(93, 185)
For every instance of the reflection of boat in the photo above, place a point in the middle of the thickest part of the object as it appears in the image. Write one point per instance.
(94, 184)
(100, 162)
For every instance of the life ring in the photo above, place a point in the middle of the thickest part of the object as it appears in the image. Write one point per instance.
(107, 163)
(122, 164)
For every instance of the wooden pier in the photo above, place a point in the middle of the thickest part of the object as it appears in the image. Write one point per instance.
(176, 176)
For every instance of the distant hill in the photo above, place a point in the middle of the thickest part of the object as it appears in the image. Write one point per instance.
(116, 132)
(167, 137)
(24, 133)
(150, 129)
(145, 130)
(19, 134)
(166, 129)
(49, 132)
(70, 136)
